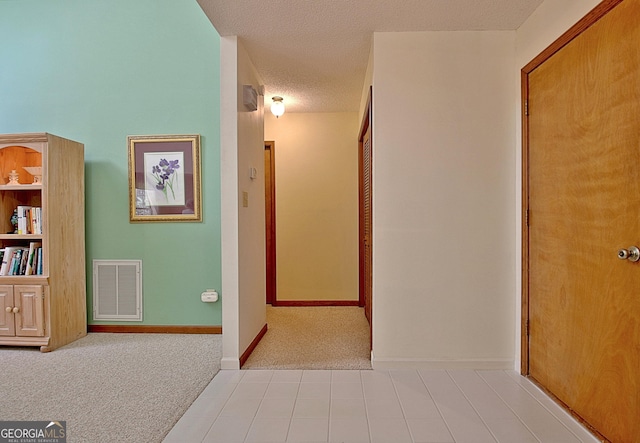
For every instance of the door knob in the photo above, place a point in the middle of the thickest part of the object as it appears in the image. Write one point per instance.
(631, 254)
(9, 309)
(16, 310)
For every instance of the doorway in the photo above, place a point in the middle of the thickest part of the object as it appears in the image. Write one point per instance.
(365, 196)
(270, 218)
(317, 225)
(581, 311)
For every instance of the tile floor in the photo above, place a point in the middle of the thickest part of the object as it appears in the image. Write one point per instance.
(431, 406)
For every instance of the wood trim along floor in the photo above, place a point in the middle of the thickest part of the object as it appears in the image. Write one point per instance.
(298, 303)
(151, 329)
(252, 346)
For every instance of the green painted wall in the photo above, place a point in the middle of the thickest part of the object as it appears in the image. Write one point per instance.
(96, 71)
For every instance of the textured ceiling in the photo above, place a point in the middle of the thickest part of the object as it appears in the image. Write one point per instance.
(314, 53)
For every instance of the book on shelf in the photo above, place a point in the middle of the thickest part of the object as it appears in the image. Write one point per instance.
(14, 267)
(7, 259)
(36, 220)
(39, 267)
(22, 219)
(16, 261)
(21, 260)
(29, 219)
(32, 261)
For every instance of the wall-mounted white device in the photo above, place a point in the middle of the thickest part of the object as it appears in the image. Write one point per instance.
(250, 97)
(209, 296)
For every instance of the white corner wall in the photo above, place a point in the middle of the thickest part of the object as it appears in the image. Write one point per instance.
(444, 235)
(243, 238)
(316, 158)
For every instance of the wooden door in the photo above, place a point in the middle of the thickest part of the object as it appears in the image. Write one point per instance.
(365, 197)
(30, 317)
(584, 205)
(270, 219)
(7, 322)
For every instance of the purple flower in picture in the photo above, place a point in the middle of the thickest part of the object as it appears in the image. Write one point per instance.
(164, 174)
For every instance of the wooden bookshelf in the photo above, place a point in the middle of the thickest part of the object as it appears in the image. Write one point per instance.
(48, 309)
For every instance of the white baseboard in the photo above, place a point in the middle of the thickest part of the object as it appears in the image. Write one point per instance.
(417, 363)
(230, 363)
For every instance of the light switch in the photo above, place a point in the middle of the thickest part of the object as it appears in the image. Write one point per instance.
(245, 199)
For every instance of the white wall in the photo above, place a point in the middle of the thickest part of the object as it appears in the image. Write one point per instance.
(316, 158)
(243, 243)
(548, 22)
(444, 199)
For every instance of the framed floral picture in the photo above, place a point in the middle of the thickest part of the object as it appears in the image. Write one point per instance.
(164, 178)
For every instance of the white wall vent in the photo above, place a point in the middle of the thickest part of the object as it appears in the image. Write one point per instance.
(117, 290)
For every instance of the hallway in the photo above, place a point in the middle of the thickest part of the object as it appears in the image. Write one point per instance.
(313, 337)
(426, 406)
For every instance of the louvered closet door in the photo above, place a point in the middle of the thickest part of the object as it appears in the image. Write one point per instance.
(367, 222)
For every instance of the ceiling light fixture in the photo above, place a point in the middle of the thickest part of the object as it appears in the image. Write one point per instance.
(277, 107)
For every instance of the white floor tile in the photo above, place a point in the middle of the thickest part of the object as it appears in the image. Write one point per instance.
(256, 376)
(308, 430)
(315, 390)
(282, 390)
(311, 408)
(429, 430)
(416, 406)
(349, 430)
(483, 398)
(228, 376)
(383, 391)
(378, 409)
(348, 408)
(287, 376)
(228, 430)
(191, 427)
(509, 430)
(206, 407)
(268, 430)
(241, 408)
(217, 390)
(318, 376)
(249, 390)
(469, 431)
(552, 431)
(345, 376)
(346, 390)
(385, 430)
(276, 408)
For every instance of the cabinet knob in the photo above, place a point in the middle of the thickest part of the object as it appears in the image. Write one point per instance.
(16, 310)
(9, 309)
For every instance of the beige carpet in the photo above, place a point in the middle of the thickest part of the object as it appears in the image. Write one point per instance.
(313, 338)
(109, 387)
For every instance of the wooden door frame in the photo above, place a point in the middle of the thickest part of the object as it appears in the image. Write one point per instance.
(587, 21)
(364, 127)
(270, 247)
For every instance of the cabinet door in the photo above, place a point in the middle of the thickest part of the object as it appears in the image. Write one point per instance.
(30, 316)
(7, 323)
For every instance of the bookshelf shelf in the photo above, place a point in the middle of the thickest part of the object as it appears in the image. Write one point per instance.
(31, 237)
(43, 294)
(20, 187)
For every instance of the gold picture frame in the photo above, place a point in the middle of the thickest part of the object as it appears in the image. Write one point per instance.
(164, 178)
